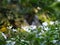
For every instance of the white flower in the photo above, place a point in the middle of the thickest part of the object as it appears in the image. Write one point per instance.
(41, 37)
(51, 22)
(9, 27)
(56, 22)
(33, 27)
(46, 28)
(22, 40)
(54, 41)
(9, 42)
(14, 30)
(38, 8)
(26, 28)
(56, 28)
(45, 24)
(12, 38)
(4, 35)
(42, 31)
(13, 43)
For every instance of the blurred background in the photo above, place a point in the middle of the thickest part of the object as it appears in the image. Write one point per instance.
(31, 12)
(31, 15)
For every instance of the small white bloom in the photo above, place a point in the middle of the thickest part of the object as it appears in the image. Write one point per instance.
(9, 27)
(38, 8)
(26, 28)
(8, 41)
(56, 28)
(56, 22)
(13, 43)
(41, 37)
(42, 31)
(33, 27)
(12, 38)
(51, 22)
(54, 41)
(14, 30)
(4, 35)
(46, 28)
(22, 40)
(40, 26)
(45, 24)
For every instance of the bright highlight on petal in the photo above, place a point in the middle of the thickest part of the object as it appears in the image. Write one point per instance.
(51, 22)
(4, 35)
(45, 24)
(38, 8)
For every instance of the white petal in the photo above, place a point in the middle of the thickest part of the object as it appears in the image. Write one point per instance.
(45, 24)
(4, 35)
(51, 22)
(38, 8)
